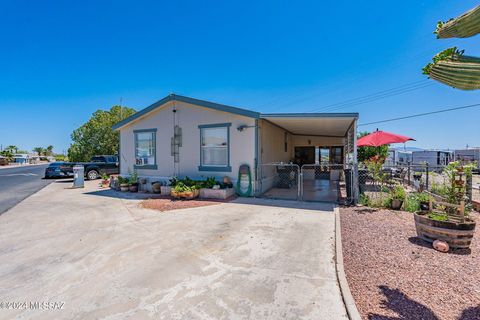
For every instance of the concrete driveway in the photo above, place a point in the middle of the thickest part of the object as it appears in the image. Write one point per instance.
(93, 256)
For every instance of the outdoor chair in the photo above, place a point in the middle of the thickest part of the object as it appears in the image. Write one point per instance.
(286, 177)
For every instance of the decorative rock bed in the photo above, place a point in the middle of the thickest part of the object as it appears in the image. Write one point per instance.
(393, 274)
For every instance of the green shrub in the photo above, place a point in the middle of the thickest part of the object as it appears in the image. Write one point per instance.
(173, 182)
(180, 186)
(438, 216)
(398, 193)
(194, 184)
(438, 189)
(122, 180)
(210, 182)
(412, 203)
(413, 200)
(365, 200)
(133, 178)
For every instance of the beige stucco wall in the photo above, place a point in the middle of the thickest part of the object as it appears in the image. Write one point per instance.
(271, 150)
(271, 145)
(188, 117)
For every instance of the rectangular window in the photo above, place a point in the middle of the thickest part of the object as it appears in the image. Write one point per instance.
(337, 155)
(214, 147)
(145, 149)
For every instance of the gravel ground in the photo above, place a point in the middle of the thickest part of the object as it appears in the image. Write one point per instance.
(394, 275)
(169, 204)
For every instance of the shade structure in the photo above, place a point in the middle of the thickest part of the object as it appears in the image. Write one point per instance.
(380, 138)
(464, 26)
(459, 71)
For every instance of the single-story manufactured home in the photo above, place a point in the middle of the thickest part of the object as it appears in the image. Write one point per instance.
(289, 155)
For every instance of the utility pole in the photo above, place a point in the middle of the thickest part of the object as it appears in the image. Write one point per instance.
(121, 108)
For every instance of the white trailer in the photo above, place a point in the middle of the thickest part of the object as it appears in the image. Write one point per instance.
(434, 158)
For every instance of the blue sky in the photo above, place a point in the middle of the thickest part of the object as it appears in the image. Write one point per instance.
(62, 60)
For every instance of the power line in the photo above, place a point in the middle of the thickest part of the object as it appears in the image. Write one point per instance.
(298, 96)
(377, 95)
(421, 114)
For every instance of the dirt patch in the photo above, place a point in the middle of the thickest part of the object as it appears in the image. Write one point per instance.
(168, 204)
(394, 275)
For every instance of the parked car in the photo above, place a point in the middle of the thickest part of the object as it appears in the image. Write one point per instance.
(99, 165)
(59, 170)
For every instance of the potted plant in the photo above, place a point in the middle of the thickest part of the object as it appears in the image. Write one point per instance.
(450, 222)
(424, 201)
(105, 181)
(397, 195)
(156, 187)
(182, 190)
(123, 182)
(133, 182)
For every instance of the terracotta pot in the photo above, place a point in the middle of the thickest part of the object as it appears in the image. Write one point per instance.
(156, 187)
(124, 187)
(396, 204)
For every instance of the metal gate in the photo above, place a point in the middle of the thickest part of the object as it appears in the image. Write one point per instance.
(311, 182)
(279, 181)
(325, 182)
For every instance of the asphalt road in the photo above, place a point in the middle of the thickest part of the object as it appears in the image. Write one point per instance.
(18, 183)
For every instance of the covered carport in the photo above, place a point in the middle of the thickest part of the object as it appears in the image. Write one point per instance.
(307, 156)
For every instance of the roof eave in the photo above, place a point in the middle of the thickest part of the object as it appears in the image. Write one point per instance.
(201, 103)
(309, 115)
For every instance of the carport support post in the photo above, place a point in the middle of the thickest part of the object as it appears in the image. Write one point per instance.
(355, 166)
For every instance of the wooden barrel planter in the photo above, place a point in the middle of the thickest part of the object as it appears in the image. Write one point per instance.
(456, 234)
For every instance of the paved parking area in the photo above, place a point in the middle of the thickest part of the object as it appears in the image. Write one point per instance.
(104, 257)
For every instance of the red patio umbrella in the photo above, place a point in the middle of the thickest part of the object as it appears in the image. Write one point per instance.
(380, 138)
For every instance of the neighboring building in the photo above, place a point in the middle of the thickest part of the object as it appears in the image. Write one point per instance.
(434, 158)
(181, 136)
(468, 155)
(20, 158)
(25, 158)
(398, 157)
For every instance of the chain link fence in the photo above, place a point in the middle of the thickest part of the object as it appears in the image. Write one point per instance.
(279, 181)
(414, 177)
(326, 182)
(322, 182)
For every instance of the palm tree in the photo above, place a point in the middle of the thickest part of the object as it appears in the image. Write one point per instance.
(12, 149)
(49, 151)
(38, 150)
